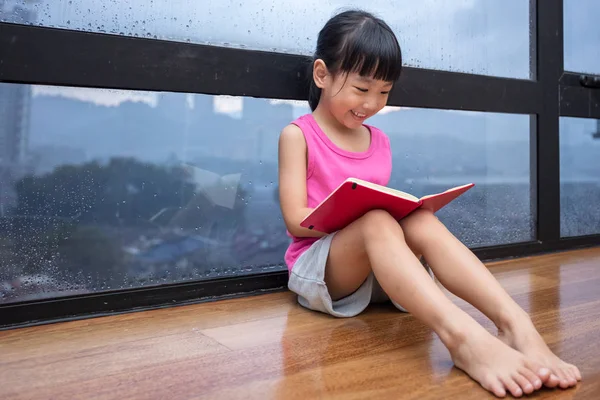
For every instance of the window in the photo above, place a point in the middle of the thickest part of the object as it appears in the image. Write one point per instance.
(110, 190)
(582, 35)
(435, 150)
(481, 37)
(105, 189)
(579, 176)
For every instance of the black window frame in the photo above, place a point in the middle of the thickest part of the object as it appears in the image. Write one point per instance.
(48, 56)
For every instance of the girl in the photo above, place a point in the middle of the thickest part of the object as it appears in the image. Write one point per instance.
(376, 258)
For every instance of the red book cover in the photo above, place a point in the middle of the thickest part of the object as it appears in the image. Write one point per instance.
(355, 197)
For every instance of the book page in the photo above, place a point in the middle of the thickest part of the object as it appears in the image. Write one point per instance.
(385, 189)
(454, 189)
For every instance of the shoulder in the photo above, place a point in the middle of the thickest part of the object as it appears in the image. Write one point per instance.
(293, 136)
(292, 132)
(297, 129)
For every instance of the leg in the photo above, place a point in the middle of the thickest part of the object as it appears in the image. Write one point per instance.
(452, 261)
(376, 241)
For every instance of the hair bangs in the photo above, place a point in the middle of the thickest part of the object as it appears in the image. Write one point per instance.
(372, 51)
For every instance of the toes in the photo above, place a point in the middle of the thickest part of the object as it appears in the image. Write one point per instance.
(512, 387)
(532, 378)
(552, 381)
(575, 371)
(570, 376)
(494, 385)
(524, 383)
(542, 372)
(498, 390)
(564, 379)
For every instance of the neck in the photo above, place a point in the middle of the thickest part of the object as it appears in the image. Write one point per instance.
(327, 120)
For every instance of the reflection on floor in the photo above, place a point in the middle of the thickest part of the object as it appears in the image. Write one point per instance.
(268, 347)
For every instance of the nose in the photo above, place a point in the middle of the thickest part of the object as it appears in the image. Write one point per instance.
(371, 103)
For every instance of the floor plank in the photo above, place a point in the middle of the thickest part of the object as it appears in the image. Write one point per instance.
(268, 347)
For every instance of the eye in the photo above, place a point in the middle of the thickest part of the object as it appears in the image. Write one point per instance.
(388, 92)
(361, 89)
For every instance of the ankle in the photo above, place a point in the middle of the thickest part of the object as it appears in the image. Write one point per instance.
(510, 320)
(455, 330)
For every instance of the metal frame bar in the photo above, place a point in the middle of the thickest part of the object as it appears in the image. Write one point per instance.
(549, 23)
(38, 55)
(122, 301)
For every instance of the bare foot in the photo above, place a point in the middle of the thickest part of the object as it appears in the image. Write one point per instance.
(497, 367)
(523, 337)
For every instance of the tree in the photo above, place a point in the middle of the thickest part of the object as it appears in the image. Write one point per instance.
(82, 216)
(122, 192)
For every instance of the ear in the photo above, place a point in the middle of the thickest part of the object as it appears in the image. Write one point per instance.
(320, 73)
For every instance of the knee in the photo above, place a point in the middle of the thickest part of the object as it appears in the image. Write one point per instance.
(422, 216)
(422, 225)
(379, 222)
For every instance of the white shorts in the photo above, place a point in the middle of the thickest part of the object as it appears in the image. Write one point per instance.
(307, 280)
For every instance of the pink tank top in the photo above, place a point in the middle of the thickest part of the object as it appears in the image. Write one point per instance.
(328, 166)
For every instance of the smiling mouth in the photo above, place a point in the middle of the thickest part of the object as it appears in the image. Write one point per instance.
(358, 115)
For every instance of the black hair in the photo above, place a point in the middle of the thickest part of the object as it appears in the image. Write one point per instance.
(356, 41)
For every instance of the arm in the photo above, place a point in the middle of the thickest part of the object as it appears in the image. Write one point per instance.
(292, 181)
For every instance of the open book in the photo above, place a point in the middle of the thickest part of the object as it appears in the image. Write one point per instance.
(355, 197)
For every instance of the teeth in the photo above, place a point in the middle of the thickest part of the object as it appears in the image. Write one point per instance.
(358, 115)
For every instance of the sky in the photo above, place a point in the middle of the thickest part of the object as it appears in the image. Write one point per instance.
(487, 37)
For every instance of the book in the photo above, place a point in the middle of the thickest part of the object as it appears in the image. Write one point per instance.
(355, 197)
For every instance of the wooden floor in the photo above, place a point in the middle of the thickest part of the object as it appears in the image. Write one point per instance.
(267, 347)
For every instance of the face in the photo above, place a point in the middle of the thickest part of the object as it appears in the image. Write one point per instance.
(352, 98)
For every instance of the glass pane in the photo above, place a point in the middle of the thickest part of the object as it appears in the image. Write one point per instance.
(482, 37)
(582, 35)
(579, 176)
(102, 189)
(436, 150)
